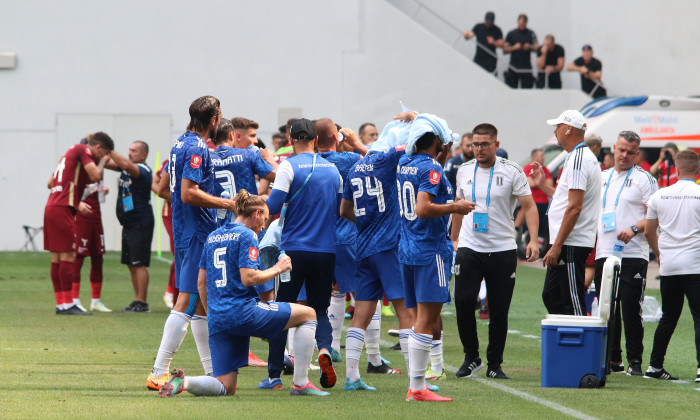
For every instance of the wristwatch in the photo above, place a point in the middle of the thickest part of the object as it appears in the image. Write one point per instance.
(635, 229)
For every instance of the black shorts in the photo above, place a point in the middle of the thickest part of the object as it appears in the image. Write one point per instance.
(136, 244)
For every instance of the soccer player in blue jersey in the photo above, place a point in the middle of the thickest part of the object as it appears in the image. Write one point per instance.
(228, 271)
(423, 205)
(234, 167)
(191, 183)
(370, 200)
(307, 186)
(345, 231)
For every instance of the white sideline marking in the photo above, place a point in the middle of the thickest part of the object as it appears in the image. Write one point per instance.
(536, 337)
(524, 395)
(165, 260)
(513, 332)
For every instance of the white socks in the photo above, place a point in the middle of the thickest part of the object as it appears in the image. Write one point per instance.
(372, 338)
(290, 341)
(403, 342)
(419, 351)
(354, 341)
(436, 355)
(174, 332)
(200, 331)
(203, 386)
(336, 316)
(304, 340)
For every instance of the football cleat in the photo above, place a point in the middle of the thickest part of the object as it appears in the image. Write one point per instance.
(425, 395)
(288, 365)
(175, 384)
(270, 384)
(394, 332)
(336, 356)
(74, 310)
(254, 360)
(431, 387)
(80, 306)
(325, 361)
(168, 299)
(386, 311)
(358, 385)
(430, 375)
(309, 390)
(383, 368)
(99, 307)
(154, 383)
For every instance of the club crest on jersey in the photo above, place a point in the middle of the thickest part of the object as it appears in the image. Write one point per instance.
(434, 177)
(499, 181)
(196, 161)
(253, 253)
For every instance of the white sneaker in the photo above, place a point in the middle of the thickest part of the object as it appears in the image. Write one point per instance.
(99, 307)
(168, 299)
(80, 306)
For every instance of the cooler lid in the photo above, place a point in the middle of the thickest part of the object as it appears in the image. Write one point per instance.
(573, 321)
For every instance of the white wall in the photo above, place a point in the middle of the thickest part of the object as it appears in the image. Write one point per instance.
(351, 60)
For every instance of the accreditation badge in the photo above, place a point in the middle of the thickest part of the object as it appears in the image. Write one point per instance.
(481, 222)
(608, 222)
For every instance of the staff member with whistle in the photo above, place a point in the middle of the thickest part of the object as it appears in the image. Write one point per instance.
(485, 243)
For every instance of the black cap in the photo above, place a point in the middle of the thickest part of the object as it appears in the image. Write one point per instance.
(490, 18)
(302, 129)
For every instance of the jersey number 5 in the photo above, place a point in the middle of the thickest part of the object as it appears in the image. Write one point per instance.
(220, 263)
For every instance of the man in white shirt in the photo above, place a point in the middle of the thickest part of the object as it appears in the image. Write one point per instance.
(573, 219)
(676, 211)
(625, 192)
(486, 247)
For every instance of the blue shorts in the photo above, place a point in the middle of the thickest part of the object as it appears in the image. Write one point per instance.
(379, 275)
(187, 266)
(229, 348)
(426, 283)
(345, 268)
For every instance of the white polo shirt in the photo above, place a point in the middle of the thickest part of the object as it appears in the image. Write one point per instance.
(677, 209)
(581, 172)
(631, 208)
(508, 183)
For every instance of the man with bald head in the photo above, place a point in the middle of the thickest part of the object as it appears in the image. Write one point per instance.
(135, 214)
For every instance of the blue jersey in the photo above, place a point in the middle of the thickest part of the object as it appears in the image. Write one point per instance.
(372, 187)
(345, 230)
(447, 249)
(307, 226)
(189, 159)
(235, 169)
(227, 250)
(421, 239)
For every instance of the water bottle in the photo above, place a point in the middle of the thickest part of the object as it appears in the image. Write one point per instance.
(595, 311)
(284, 276)
(618, 248)
(101, 191)
(221, 213)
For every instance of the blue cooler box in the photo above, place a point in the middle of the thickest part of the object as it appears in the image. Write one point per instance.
(573, 351)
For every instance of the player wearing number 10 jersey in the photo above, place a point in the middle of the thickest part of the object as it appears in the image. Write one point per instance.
(370, 200)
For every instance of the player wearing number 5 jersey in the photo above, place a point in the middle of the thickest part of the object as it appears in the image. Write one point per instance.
(235, 168)
(190, 179)
(228, 272)
(75, 170)
(423, 203)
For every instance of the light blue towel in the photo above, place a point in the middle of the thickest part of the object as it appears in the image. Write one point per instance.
(429, 123)
(394, 134)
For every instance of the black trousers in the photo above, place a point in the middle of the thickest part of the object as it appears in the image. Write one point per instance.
(633, 279)
(526, 80)
(673, 288)
(563, 291)
(553, 81)
(315, 270)
(498, 269)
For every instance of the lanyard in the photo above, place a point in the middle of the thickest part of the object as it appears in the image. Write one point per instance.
(306, 181)
(605, 195)
(687, 179)
(488, 190)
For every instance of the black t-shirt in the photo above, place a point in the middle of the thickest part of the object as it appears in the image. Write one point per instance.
(552, 56)
(587, 84)
(140, 191)
(521, 59)
(481, 32)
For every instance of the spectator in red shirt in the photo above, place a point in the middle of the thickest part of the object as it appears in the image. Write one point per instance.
(641, 160)
(664, 169)
(540, 195)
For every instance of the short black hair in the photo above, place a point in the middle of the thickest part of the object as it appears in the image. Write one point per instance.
(486, 129)
(225, 127)
(143, 144)
(365, 125)
(102, 139)
(425, 141)
(202, 110)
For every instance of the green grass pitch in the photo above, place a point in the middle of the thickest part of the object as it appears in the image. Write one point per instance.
(96, 367)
